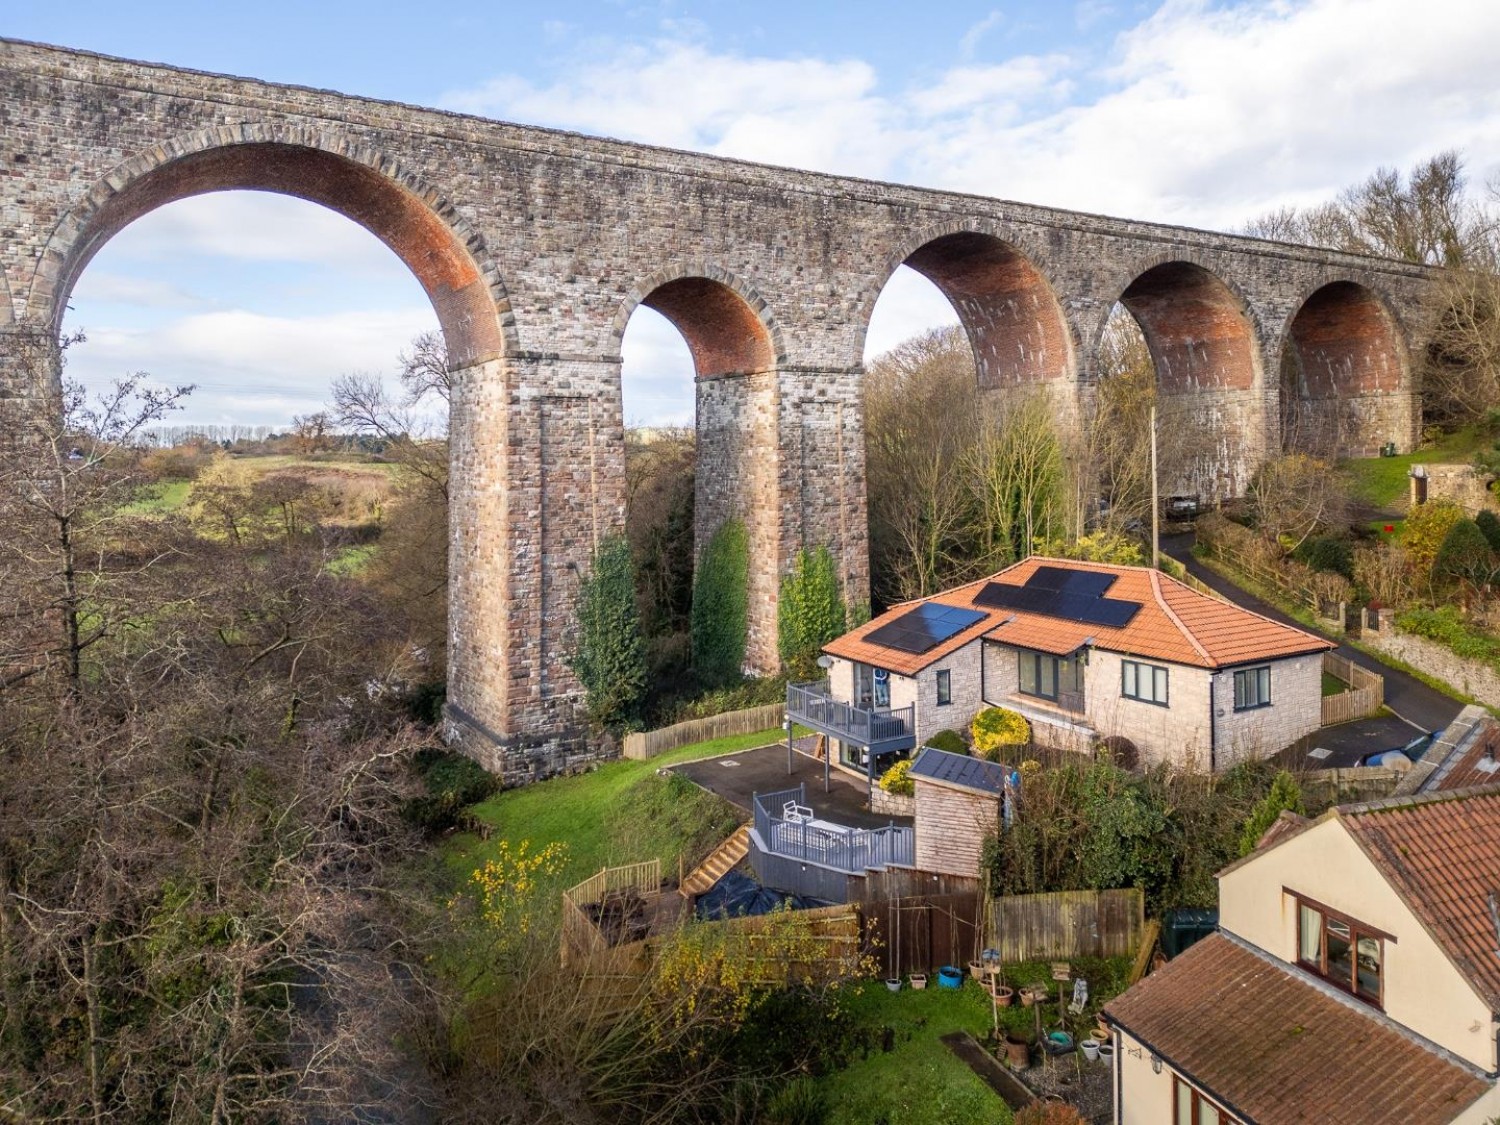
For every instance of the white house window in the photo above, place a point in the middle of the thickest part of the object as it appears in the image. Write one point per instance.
(1145, 682)
(944, 687)
(1252, 688)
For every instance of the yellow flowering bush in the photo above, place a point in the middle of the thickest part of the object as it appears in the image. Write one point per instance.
(997, 729)
(897, 779)
(507, 885)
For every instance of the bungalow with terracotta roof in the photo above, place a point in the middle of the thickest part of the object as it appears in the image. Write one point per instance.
(1084, 651)
(1355, 978)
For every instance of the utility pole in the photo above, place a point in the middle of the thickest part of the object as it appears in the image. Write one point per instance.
(1155, 499)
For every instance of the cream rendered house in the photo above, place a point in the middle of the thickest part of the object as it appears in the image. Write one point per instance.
(1084, 651)
(1355, 978)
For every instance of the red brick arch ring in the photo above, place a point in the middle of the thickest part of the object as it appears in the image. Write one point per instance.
(1346, 340)
(728, 326)
(1198, 324)
(447, 256)
(1004, 300)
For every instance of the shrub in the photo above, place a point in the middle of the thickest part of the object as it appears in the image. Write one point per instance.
(1427, 525)
(809, 610)
(1327, 553)
(949, 740)
(1465, 556)
(997, 729)
(800, 1102)
(610, 658)
(1447, 627)
(1489, 524)
(897, 780)
(1285, 796)
(453, 783)
(1049, 1113)
(719, 617)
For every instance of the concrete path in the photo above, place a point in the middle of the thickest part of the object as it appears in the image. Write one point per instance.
(1420, 707)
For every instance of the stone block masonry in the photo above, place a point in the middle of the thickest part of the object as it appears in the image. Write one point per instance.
(535, 247)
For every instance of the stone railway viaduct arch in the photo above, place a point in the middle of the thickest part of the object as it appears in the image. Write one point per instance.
(534, 246)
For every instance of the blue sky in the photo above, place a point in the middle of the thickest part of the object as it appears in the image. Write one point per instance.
(1187, 111)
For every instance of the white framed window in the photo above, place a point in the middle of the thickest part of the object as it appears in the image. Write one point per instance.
(1146, 682)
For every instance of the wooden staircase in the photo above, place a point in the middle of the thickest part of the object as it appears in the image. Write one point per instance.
(720, 860)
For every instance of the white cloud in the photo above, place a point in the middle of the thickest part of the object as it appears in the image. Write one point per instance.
(656, 372)
(970, 42)
(908, 306)
(251, 368)
(103, 286)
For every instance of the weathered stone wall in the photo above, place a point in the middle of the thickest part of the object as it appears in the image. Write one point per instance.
(1476, 680)
(534, 247)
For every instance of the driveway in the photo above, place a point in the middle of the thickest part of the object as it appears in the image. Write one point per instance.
(1418, 707)
(736, 777)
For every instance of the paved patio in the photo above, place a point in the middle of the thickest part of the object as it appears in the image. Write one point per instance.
(735, 777)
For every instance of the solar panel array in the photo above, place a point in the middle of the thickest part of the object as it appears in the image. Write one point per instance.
(1072, 595)
(923, 627)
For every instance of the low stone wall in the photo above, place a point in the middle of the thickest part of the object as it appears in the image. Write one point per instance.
(892, 804)
(520, 761)
(1476, 680)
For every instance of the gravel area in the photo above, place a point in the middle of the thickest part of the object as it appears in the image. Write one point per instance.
(1084, 1085)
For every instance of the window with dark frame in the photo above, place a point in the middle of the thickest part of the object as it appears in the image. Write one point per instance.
(1145, 682)
(1346, 953)
(1043, 675)
(944, 687)
(1190, 1106)
(1252, 688)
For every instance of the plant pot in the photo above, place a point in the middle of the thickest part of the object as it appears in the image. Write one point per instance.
(1017, 1052)
(976, 969)
(1003, 996)
(893, 983)
(1090, 1049)
(1107, 1053)
(1034, 996)
(919, 981)
(950, 977)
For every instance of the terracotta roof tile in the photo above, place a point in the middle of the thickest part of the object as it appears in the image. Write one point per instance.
(1175, 624)
(1472, 765)
(1270, 1045)
(1441, 854)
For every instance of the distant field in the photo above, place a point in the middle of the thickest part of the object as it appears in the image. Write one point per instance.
(155, 499)
(1381, 482)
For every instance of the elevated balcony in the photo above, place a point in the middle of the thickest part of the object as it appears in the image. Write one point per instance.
(882, 730)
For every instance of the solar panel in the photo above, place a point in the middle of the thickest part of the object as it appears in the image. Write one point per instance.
(923, 627)
(1070, 595)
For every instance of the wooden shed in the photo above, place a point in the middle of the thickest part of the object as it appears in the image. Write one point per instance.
(957, 805)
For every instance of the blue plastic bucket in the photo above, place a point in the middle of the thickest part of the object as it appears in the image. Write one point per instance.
(949, 977)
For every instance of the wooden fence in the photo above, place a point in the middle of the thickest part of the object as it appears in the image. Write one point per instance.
(922, 933)
(1068, 924)
(650, 743)
(1331, 615)
(581, 938)
(1365, 696)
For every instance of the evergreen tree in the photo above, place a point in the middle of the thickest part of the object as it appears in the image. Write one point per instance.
(610, 658)
(1285, 795)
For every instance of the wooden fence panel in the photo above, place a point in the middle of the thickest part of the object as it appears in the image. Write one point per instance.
(1068, 924)
(650, 743)
(922, 933)
(1365, 696)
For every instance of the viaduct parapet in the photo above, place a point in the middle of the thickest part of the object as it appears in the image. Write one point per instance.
(535, 246)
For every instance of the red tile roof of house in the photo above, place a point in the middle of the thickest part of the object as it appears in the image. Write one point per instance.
(1270, 1045)
(1175, 624)
(1441, 853)
(1470, 765)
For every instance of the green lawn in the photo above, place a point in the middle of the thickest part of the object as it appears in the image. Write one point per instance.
(158, 499)
(1382, 481)
(1332, 685)
(616, 814)
(351, 561)
(920, 1082)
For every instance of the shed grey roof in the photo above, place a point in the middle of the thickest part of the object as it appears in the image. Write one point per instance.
(959, 770)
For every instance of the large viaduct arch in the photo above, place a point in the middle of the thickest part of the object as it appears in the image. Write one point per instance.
(535, 245)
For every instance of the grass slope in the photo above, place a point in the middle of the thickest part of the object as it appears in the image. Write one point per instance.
(920, 1082)
(1381, 482)
(618, 813)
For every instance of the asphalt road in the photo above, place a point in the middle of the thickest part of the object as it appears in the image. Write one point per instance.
(1420, 707)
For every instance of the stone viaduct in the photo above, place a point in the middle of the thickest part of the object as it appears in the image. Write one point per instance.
(535, 246)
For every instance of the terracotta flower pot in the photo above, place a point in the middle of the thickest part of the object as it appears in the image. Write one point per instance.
(1017, 1052)
(976, 969)
(1004, 995)
(919, 981)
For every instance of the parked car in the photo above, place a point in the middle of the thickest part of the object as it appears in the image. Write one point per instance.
(1412, 751)
(1182, 507)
